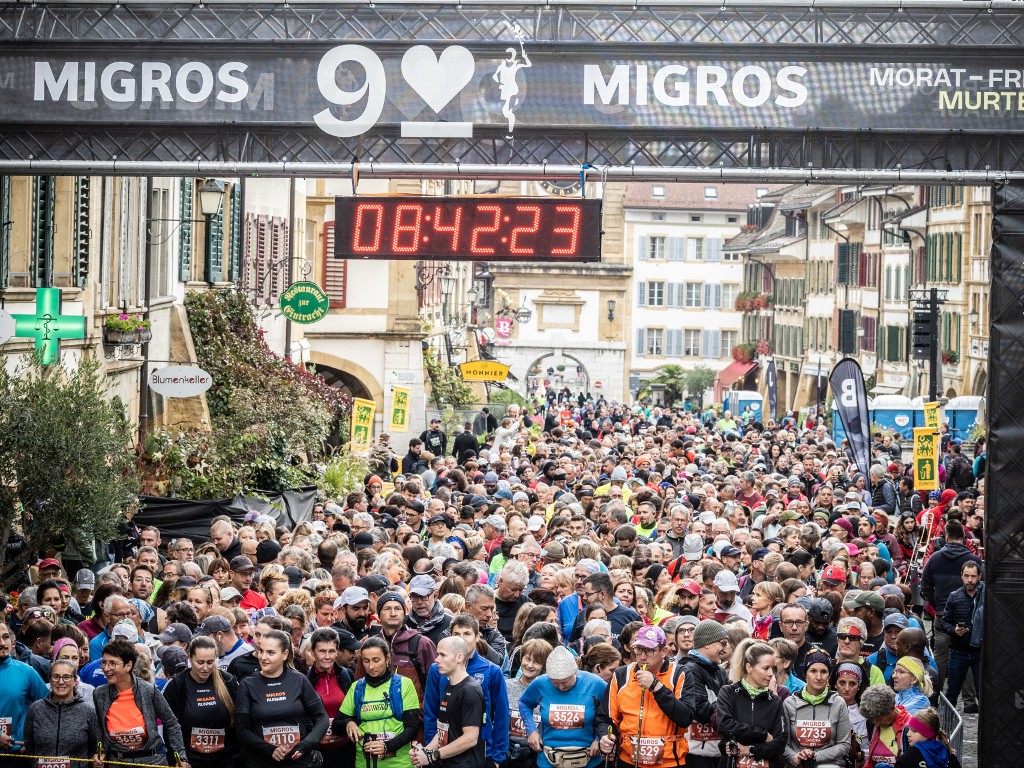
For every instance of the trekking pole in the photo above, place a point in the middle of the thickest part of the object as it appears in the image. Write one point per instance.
(609, 755)
(640, 725)
(366, 755)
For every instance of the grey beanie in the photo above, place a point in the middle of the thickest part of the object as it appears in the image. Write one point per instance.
(561, 664)
(709, 632)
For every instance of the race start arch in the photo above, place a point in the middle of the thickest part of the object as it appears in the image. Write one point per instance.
(827, 91)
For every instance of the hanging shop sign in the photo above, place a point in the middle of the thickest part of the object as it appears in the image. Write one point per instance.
(180, 381)
(305, 302)
(483, 370)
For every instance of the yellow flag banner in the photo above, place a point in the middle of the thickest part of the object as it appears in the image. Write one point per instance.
(926, 459)
(399, 409)
(362, 423)
(931, 416)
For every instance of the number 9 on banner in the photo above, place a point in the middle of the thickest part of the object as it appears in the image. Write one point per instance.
(374, 89)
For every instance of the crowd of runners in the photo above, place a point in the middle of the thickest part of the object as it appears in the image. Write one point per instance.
(587, 584)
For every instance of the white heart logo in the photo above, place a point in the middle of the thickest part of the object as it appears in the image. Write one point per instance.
(438, 80)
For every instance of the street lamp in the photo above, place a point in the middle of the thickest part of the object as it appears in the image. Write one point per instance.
(611, 309)
(471, 295)
(211, 197)
(972, 317)
(447, 280)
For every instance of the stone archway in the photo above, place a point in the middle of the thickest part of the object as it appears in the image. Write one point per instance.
(349, 376)
(980, 383)
(537, 373)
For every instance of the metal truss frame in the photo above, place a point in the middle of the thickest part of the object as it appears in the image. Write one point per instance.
(795, 22)
(911, 26)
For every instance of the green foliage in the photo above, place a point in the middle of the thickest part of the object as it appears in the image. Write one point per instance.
(446, 387)
(697, 381)
(126, 323)
(67, 468)
(269, 417)
(508, 397)
(343, 473)
(978, 431)
(673, 378)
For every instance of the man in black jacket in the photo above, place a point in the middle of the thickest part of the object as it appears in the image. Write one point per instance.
(704, 679)
(939, 579)
(465, 444)
(435, 439)
(961, 621)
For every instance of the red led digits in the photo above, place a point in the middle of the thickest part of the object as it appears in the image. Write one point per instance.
(455, 228)
(474, 246)
(573, 230)
(357, 230)
(530, 229)
(401, 228)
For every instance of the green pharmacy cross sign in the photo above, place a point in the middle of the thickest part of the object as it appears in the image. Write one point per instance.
(48, 326)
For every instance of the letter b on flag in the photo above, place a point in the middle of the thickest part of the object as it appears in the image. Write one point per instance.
(848, 393)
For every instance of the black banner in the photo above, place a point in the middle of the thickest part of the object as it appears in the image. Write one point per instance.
(190, 518)
(847, 382)
(1002, 672)
(773, 388)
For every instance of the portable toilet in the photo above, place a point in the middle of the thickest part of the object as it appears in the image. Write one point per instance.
(918, 406)
(895, 412)
(962, 413)
(738, 400)
(838, 431)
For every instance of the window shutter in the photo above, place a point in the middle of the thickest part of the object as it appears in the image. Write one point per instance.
(185, 232)
(335, 270)
(843, 264)
(676, 248)
(718, 295)
(80, 264)
(5, 232)
(714, 249)
(708, 298)
(280, 249)
(235, 253)
(215, 248)
(44, 199)
(670, 294)
(640, 351)
(642, 246)
(716, 344)
(641, 293)
(848, 331)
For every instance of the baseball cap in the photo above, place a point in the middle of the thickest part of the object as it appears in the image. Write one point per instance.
(649, 637)
(213, 624)
(893, 467)
(495, 521)
(820, 609)
(441, 518)
(729, 551)
(242, 563)
(535, 523)
(48, 562)
(125, 628)
(362, 540)
(693, 546)
(85, 579)
(760, 553)
(895, 620)
(294, 576)
(691, 586)
(503, 494)
(726, 581)
(374, 584)
(346, 640)
(352, 596)
(833, 573)
(491, 477)
(421, 585)
(553, 550)
(177, 632)
(172, 658)
(890, 589)
(872, 600)
(229, 593)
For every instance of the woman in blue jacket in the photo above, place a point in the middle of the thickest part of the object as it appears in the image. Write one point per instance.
(567, 701)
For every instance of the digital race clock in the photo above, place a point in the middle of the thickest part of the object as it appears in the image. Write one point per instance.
(467, 228)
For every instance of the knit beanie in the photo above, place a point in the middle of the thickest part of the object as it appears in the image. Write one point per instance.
(391, 597)
(709, 632)
(561, 664)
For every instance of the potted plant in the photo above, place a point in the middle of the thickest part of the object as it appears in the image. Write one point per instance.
(950, 356)
(764, 348)
(125, 329)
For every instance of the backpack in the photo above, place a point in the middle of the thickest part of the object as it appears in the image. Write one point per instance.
(393, 697)
(964, 475)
